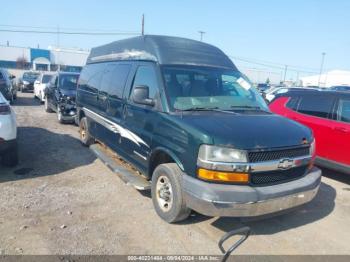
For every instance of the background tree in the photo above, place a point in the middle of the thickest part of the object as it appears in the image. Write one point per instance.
(21, 62)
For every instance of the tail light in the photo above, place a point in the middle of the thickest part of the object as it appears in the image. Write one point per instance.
(5, 109)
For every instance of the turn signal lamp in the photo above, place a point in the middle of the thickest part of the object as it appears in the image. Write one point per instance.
(219, 176)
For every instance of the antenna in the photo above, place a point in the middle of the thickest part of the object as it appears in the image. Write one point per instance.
(201, 33)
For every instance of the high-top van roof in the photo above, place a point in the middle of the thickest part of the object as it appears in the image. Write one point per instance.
(165, 50)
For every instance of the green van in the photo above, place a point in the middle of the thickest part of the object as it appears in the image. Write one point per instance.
(181, 113)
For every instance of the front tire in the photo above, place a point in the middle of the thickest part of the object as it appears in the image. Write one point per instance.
(10, 158)
(59, 116)
(85, 138)
(47, 107)
(167, 195)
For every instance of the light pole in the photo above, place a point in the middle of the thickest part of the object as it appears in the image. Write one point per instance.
(285, 73)
(201, 33)
(321, 68)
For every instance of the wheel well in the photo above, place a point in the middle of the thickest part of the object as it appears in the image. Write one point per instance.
(81, 114)
(157, 159)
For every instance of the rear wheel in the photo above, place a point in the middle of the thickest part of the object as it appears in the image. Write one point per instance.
(85, 137)
(167, 194)
(10, 158)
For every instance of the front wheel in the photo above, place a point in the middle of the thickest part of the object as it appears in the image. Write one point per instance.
(167, 194)
(59, 115)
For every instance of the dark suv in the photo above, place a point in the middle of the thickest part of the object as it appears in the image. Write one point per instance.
(181, 113)
(26, 83)
(60, 96)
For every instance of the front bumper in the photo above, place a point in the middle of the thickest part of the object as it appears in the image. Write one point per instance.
(28, 87)
(68, 111)
(246, 201)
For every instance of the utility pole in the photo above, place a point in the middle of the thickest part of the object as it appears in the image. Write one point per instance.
(143, 25)
(58, 49)
(285, 73)
(201, 35)
(321, 68)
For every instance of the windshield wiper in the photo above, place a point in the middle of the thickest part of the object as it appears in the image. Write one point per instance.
(246, 107)
(200, 109)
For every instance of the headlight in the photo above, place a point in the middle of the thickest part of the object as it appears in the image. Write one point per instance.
(221, 154)
(25, 83)
(313, 148)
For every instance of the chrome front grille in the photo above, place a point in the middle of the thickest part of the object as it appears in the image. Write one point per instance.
(277, 176)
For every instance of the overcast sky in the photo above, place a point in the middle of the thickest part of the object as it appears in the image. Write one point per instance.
(276, 32)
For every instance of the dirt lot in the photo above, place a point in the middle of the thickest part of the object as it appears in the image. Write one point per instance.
(62, 200)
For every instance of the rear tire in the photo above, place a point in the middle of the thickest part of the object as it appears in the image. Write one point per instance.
(10, 158)
(47, 107)
(167, 195)
(85, 138)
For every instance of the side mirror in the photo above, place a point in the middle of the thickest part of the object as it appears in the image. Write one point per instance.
(140, 95)
(12, 77)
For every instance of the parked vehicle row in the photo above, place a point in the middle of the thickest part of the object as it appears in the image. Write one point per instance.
(192, 124)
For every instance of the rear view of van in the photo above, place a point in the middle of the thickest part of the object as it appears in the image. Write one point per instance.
(181, 113)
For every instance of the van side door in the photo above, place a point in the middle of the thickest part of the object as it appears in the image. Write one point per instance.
(113, 84)
(141, 120)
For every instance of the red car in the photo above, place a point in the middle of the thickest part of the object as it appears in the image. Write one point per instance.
(327, 113)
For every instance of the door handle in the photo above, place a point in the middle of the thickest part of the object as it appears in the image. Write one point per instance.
(341, 129)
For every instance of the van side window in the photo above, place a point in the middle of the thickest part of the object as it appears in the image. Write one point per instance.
(146, 76)
(114, 79)
(320, 106)
(90, 77)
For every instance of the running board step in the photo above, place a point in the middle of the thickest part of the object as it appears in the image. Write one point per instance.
(130, 177)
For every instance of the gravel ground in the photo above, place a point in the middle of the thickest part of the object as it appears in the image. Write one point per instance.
(60, 199)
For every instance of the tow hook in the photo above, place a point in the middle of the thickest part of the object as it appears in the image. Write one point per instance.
(244, 231)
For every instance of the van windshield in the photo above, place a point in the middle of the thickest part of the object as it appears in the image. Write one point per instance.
(192, 87)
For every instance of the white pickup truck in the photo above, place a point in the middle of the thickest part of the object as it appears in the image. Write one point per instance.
(8, 134)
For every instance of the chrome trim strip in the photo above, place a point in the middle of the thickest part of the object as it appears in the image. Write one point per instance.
(114, 127)
(255, 167)
(139, 155)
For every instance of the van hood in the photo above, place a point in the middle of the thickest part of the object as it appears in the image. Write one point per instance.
(248, 131)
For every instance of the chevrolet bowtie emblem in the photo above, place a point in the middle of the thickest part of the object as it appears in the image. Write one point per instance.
(285, 163)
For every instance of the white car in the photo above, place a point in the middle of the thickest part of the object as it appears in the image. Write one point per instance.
(271, 93)
(8, 134)
(40, 86)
